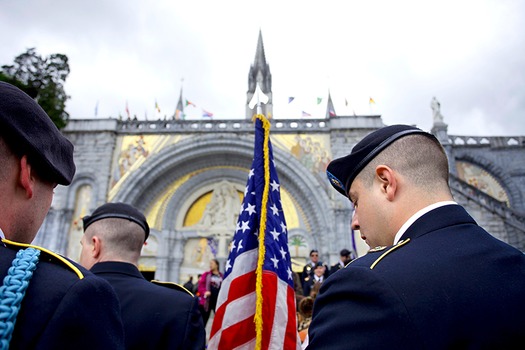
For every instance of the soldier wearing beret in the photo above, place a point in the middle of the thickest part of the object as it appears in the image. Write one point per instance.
(308, 270)
(433, 279)
(155, 315)
(46, 300)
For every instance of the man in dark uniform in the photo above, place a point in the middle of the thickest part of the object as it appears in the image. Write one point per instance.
(433, 279)
(314, 283)
(52, 302)
(309, 268)
(155, 316)
(344, 258)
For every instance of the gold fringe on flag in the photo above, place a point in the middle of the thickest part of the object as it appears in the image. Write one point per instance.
(262, 229)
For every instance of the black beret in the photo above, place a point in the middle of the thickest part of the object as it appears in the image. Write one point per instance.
(120, 211)
(28, 130)
(342, 171)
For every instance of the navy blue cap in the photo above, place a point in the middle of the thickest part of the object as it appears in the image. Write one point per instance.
(28, 130)
(119, 211)
(342, 171)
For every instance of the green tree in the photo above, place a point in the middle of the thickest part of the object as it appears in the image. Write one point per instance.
(297, 242)
(43, 79)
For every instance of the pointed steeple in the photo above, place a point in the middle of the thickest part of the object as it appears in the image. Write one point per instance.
(260, 58)
(179, 110)
(259, 74)
(330, 110)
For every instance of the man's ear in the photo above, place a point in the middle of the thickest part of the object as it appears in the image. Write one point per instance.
(388, 181)
(97, 247)
(26, 177)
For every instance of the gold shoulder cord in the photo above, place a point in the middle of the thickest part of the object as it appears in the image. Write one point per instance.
(400, 244)
(53, 254)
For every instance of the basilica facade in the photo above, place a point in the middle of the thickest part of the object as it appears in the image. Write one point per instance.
(188, 177)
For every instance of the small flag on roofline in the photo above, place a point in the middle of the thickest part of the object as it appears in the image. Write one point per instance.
(189, 103)
(206, 114)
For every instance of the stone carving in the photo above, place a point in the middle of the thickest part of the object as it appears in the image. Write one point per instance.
(220, 216)
(222, 211)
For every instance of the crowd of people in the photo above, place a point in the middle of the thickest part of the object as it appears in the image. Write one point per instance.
(433, 278)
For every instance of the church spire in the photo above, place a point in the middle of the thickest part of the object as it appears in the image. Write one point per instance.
(259, 74)
(330, 110)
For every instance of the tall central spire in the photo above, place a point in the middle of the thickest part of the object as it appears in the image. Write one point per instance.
(260, 74)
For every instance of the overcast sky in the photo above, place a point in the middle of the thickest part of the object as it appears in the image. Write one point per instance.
(468, 54)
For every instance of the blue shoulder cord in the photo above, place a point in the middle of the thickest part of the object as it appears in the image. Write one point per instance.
(13, 290)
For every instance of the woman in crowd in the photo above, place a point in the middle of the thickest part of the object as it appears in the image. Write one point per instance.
(209, 286)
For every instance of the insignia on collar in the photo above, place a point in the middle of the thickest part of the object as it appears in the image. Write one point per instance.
(378, 248)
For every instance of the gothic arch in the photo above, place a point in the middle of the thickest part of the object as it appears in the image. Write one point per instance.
(498, 173)
(230, 152)
(83, 179)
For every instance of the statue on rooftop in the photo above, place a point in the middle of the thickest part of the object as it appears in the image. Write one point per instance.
(435, 105)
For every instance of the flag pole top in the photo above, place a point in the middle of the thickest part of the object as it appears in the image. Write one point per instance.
(258, 99)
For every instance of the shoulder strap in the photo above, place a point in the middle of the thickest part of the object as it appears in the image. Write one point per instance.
(172, 285)
(13, 291)
(47, 253)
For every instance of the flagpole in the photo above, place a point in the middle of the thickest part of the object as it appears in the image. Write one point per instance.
(258, 99)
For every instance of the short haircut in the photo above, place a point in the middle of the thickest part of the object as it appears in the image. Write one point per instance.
(420, 158)
(121, 237)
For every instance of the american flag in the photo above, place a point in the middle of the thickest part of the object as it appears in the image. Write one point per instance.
(247, 315)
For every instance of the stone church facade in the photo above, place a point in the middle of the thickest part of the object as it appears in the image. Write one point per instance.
(188, 177)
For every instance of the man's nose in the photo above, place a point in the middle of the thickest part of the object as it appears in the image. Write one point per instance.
(355, 222)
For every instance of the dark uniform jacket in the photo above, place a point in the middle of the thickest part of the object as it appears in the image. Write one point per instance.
(65, 306)
(154, 316)
(447, 285)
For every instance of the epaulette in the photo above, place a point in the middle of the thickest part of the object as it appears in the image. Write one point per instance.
(398, 245)
(48, 256)
(172, 285)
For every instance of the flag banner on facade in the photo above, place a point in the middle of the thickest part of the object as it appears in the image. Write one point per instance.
(306, 114)
(247, 315)
(157, 106)
(371, 101)
(178, 114)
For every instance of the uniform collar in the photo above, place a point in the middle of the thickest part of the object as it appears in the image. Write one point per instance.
(116, 267)
(417, 215)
